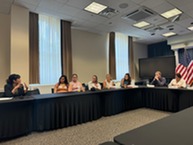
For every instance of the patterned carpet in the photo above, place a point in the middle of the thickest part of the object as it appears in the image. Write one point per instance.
(92, 133)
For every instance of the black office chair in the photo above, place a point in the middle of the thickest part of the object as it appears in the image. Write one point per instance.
(85, 86)
(109, 143)
(52, 90)
(101, 85)
(2, 94)
(33, 92)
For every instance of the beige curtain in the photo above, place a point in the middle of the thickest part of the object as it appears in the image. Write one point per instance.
(131, 57)
(33, 49)
(112, 60)
(66, 48)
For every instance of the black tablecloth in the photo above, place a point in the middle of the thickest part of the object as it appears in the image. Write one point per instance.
(185, 98)
(116, 101)
(16, 117)
(176, 129)
(161, 99)
(53, 111)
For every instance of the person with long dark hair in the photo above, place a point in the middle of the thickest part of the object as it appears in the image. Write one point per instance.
(126, 81)
(14, 86)
(62, 85)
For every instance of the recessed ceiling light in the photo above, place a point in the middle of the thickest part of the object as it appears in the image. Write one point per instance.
(171, 13)
(190, 28)
(141, 24)
(95, 8)
(169, 34)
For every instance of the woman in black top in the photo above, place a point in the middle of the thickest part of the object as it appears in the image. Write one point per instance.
(14, 87)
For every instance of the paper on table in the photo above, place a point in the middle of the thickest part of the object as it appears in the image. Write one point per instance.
(5, 98)
(150, 86)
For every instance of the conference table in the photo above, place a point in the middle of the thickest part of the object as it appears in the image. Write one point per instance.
(16, 117)
(176, 129)
(41, 112)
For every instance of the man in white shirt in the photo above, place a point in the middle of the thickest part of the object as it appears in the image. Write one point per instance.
(178, 82)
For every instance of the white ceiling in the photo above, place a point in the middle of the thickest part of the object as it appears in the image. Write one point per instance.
(72, 10)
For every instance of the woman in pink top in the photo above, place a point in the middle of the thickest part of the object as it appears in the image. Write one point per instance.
(75, 85)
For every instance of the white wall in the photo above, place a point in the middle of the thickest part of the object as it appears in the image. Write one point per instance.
(4, 48)
(140, 51)
(20, 42)
(89, 51)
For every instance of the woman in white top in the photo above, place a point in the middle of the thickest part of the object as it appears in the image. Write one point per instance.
(94, 85)
(178, 82)
(108, 83)
(75, 85)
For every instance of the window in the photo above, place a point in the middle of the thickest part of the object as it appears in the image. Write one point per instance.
(122, 55)
(49, 49)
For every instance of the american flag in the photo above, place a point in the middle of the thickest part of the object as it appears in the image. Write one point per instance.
(185, 67)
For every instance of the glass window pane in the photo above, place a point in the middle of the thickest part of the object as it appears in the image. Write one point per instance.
(49, 49)
(122, 55)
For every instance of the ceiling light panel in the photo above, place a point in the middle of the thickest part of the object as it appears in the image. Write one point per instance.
(171, 13)
(141, 24)
(95, 8)
(190, 28)
(169, 34)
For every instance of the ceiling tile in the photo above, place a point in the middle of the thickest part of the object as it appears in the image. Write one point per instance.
(80, 4)
(163, 7)
(50, 4)
(29, 2)
(91, 17)
(186, 22)
(115, 4)
(190, 13)
(152, 3)
(68, 10)
(138, 1)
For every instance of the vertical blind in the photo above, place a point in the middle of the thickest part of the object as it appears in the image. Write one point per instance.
(49, 49)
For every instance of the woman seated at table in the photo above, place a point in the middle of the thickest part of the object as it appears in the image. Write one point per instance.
(178, 82)
(126, 81)
(75, 85)
(62, 85)
(14, 86)
(108, 83)
(94, 84)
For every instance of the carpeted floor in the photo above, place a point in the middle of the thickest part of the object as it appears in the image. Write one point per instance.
(92, 133)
